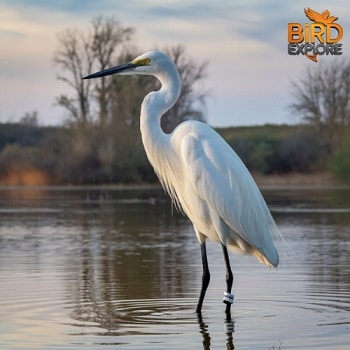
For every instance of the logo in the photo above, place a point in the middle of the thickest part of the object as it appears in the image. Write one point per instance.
(321, 37)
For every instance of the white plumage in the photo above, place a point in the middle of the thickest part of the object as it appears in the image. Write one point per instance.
(202, 173)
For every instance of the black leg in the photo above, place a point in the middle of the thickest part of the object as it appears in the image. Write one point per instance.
(228, 300)
(205, 278)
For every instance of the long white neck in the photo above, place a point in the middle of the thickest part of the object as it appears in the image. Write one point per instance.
(154, 105)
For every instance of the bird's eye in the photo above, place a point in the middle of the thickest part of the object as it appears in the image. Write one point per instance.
(142, 62)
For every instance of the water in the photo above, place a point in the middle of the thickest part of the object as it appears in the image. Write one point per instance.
(106, 268)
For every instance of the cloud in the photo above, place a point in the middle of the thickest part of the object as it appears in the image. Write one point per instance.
(54, 6)
(10, 34)
(243, 41)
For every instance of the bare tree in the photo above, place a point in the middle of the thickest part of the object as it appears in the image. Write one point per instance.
(30, 119)
(322, 98)
(75, 58)
(79, 53)
(108, 36)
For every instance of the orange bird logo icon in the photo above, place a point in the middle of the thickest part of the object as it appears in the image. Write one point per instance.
(323, 17)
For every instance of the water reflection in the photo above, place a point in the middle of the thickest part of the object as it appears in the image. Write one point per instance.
(106, 268)
(129, 254)
(204, 331)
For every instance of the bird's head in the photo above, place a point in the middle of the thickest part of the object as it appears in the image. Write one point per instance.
(149, 63)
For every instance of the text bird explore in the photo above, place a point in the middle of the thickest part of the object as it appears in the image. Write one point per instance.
(202, 174)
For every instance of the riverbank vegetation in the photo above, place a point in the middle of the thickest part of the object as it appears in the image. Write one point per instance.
(33, 154)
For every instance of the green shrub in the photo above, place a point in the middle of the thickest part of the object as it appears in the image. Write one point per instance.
(340, 160)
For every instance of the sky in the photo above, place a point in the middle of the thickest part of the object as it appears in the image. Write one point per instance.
(244, 42)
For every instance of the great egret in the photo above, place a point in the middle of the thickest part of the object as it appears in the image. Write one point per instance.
(202, 174)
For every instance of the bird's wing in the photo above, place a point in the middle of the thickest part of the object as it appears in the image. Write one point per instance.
(313, 15)
(224, 183)
(325, 14)
(327, 18)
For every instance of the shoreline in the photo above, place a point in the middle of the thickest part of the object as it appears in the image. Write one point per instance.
(292, 180)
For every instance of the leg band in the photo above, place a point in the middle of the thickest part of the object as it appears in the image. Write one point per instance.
(228, 298)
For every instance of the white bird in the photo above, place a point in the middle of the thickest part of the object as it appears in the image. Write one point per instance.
(202, 174)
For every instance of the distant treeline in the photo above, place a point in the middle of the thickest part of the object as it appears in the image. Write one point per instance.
(32, 154)
(280, 149)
